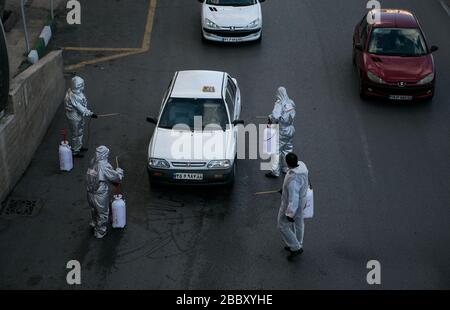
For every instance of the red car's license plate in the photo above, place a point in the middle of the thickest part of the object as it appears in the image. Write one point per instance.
(399, 97)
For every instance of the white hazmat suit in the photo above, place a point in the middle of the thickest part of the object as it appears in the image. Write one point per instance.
(293, 200)
(283, 114)
(99, 176)
(76, 110)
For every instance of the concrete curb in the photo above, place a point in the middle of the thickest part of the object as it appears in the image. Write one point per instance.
(40, 46)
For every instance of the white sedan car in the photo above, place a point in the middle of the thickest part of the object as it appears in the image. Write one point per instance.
(231, 20)
(195, 139)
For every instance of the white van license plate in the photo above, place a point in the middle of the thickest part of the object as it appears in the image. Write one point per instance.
(398, 97)
(188, 176)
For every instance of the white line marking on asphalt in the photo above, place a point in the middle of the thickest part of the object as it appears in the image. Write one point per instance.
(366, 149)
(365, 145)
(445, 6)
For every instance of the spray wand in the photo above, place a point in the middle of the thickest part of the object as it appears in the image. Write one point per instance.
(118, 185)
(64, 134)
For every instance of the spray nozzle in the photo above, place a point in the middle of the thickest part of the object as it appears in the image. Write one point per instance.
(64, 134)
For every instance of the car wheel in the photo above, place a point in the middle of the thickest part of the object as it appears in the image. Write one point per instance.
(362, 92)
(153, 184)
(260, 38)
(430, 99)
(230, 183)
(204, 40)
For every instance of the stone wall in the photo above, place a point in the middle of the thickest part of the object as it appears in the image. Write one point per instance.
(34, 97)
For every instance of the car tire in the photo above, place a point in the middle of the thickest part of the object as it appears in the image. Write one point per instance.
(202, 36)
(362, 93)
(429, 100)
(153, 184)
(230, 183)
(260, 38)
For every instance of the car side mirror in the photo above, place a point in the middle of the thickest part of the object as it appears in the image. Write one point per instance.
(152, 120)
(434, 48)
(358, 46)
(238, 122)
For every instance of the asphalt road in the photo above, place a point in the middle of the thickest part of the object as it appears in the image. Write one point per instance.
(380, 170)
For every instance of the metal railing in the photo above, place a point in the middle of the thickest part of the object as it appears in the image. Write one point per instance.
(24, 21)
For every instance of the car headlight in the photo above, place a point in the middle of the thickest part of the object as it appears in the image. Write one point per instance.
(210, 24)
(158, 163)
(219, 164)
(254, 24)
(428, 79)
(374, 78)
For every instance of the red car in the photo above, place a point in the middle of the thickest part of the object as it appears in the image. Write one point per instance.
(392, 57)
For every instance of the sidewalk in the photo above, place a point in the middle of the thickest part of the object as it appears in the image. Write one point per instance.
(37, 14)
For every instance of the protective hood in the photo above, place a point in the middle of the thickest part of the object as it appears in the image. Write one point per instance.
(77, 85)
(101, 153)
(301, 169)
(283, 97)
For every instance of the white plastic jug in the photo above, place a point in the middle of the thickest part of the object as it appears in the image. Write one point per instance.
(270, 142)
(65, 156)
(119, 212)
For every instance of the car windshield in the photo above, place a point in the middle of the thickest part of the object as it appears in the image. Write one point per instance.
(231, 2)
(182, 111)
(406, 42)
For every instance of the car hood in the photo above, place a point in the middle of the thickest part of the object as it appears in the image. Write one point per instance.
(226, 16)
(186, 145)
(397, 69)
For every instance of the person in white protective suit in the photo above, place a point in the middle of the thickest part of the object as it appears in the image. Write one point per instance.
(283, 115)
(293, 200)
(99, 176)
(76, 110)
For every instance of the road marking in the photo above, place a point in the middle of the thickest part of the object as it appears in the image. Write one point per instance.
(123, 52)
(149, 26)
(445, 6)
(365, 146)
(100, 49)
(101, 59)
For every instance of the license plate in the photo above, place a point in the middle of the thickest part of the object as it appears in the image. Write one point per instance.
(231, 39)
(399, 97)
(188, 176)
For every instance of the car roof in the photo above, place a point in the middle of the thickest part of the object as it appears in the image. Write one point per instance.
(198, 84)
(395, 18)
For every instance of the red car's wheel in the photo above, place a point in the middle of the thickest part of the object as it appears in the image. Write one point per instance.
(362, 91)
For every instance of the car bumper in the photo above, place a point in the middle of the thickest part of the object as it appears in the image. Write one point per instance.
(210, 177)
(232, 36)
(393, 92)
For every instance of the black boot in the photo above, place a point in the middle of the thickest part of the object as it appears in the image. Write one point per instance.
(271, 175)
(77, 155)
(293, 254)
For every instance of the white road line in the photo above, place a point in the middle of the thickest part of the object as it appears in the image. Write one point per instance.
(445, 6)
